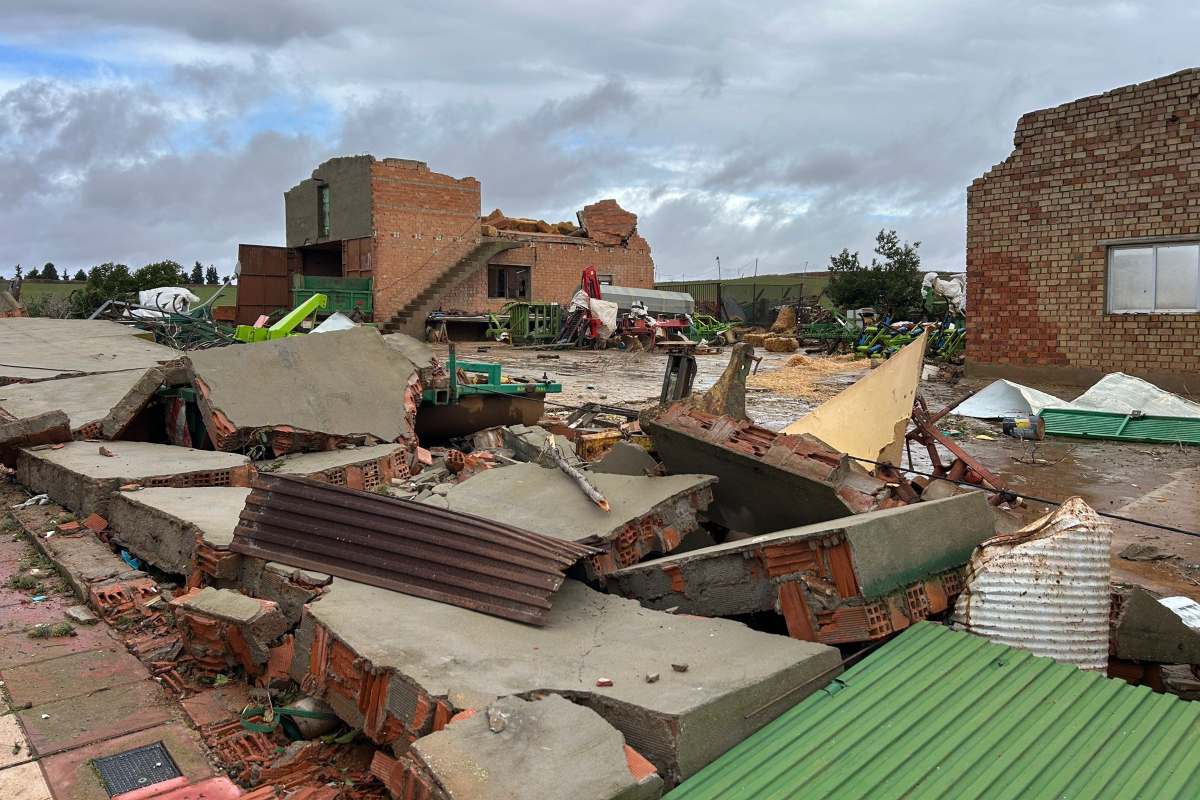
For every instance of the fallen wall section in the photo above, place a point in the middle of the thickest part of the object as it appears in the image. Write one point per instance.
(399, 667)
(99, 406)
(80, 477)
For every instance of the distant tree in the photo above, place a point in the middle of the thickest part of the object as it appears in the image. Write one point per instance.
(104, 282)
(17, 272)
(33, 274)
(211, 277)
(892, 286)
(49, 272)
(160, 273)
(80, 275)
(197, 275)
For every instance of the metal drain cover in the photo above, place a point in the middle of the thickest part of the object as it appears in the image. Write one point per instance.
(136, 769)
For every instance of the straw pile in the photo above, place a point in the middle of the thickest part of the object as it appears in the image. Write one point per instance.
(803, 376)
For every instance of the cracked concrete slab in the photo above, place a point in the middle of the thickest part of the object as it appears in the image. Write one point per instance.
(80, 477)
(363, 468)
(164, 525)
(545, 500)
(41, 349)
(735, 680)
(832, 567)
(333, 387)
(550, 748)
(98, 406)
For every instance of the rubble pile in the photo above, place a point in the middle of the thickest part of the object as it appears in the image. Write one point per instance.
(607, 604)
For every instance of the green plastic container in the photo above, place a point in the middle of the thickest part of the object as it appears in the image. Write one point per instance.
(346, 295)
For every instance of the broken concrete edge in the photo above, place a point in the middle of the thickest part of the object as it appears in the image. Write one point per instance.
(281, 438)
(52, 427)
(132, 404)
(545, 746)
(1145, 630)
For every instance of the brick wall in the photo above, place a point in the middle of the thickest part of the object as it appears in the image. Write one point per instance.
(556, 262)
(424, 223)
(1120, 165)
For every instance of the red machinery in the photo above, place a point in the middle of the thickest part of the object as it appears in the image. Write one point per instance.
(590, 283)
(580, 326)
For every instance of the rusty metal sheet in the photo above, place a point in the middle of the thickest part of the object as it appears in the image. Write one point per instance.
(768, 481)
(408, 547)
(1045, 588)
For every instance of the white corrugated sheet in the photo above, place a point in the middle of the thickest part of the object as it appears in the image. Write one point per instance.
(1044, 588)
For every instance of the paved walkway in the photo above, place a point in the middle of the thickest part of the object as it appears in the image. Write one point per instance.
(70, 699)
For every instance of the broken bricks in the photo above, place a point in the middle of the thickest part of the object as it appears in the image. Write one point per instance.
(854, 579)
(222, 629)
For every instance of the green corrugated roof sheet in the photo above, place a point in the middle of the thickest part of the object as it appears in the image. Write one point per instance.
(937, 713)
(1121, 427)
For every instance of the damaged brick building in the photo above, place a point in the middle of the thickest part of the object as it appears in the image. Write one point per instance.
(1083, 246)
(414, 239)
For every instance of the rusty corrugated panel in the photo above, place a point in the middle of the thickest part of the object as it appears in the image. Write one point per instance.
(1045, 588)
(408, 547)
(768, 481)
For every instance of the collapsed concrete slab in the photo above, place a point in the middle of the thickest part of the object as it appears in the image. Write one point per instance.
(79, 476)
(421, 356)
(188, 532)
(648, 515)
(165, 526)
(856, 579)
(548, 748)
(51, 427)
(306, 392)
(1143, 629)
(364, 468)
(767, 481)
(42, 349)
(98, 406)
(399, 667)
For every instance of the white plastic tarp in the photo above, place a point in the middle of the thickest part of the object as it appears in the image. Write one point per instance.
(1003, 399)
(954, 290)
(1185, 608)
(337, 321)
(603, 310)
(169, 299)
(1121, 394)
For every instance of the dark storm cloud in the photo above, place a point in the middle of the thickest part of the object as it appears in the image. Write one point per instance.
(783, 131)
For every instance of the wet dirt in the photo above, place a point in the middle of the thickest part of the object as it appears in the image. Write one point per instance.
(1109, 476)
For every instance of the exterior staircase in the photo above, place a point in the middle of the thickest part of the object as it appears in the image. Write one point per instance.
(411, 318)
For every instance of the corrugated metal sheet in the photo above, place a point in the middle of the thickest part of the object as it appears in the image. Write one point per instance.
(1045, 588)
(937, 713)
(408, 547)
(1122, 427)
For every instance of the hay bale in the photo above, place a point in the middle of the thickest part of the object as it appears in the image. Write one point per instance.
(781, 344)
(755, 339)
(785, 322)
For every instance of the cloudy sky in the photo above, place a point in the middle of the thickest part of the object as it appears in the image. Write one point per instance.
(138, 130)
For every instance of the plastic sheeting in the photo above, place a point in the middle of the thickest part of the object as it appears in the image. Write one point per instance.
(337, 321)
(1185, 608)
(1116, 393)
(169, 299)
(1044, 588)
(1003, 399)
(1120, 394)
(954, 290)
(603, 310)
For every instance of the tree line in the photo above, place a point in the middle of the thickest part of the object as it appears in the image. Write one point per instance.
(171, 271)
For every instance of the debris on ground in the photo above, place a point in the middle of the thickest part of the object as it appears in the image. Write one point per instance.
(262, 562)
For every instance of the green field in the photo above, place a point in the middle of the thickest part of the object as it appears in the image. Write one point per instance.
(36, 289)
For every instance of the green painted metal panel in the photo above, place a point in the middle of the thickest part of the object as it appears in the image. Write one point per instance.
(1121, 427)
(937, 713)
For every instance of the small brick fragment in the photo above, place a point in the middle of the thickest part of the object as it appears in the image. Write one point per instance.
(604, 682)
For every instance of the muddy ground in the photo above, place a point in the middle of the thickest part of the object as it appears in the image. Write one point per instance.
(1158, 483)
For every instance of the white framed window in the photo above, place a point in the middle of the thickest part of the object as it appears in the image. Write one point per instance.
(1154, 278)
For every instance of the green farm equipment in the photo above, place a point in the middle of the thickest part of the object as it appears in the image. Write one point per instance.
(466, 405)
(285, 326)
(706, 328)
(347, 295)
(526, 323)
